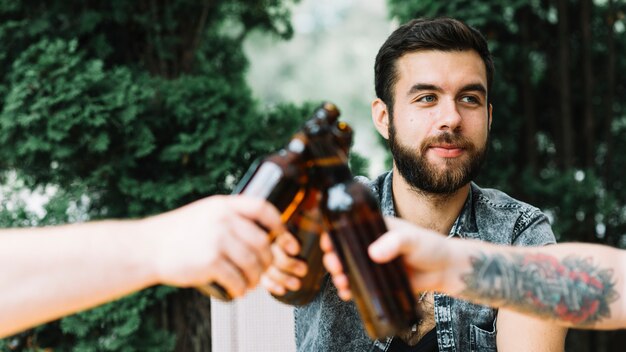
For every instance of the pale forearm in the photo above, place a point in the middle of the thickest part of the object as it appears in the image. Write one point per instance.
(50, 272)
(62, 270)
(574, 284)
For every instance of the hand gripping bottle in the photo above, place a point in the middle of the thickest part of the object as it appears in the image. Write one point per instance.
(307, 222)
(282, 179)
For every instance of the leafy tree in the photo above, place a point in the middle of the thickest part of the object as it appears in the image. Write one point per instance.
(558, 125)
(129, 108)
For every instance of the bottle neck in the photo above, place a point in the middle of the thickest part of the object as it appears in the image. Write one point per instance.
(328, 162)
(327, 176)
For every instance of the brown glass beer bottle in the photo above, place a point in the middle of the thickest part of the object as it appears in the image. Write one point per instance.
(307, 223)
(282, 179)
(381, 291)
(353, 220)
(307, 226)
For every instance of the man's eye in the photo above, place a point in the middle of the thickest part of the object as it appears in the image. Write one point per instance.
(427, 99)
(470, 99)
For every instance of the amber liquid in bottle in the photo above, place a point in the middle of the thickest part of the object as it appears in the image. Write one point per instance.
(307, 226)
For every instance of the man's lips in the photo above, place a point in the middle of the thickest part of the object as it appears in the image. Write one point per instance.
(447, 151)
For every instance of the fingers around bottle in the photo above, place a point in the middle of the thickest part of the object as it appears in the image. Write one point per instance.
(325, 243)
(255, 238)
(387, 247)
(229, 277)
(288, 265)
(260, 211)
(283, 279)
(245, 259)
(332, 263)
(288, 243)
(272, 286)
(343, 287)
(345, 295)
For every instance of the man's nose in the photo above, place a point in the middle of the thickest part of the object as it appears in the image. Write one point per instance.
(449, 117)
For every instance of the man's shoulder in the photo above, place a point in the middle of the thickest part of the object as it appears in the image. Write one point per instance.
(498, 199)
(363, 179)
(503, 219)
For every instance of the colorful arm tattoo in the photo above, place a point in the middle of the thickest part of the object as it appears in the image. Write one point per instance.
(572, 290)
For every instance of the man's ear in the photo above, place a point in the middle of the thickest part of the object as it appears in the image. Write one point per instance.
(380, 117)
(490, 117)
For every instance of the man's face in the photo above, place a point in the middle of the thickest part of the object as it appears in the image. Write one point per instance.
(440, 125)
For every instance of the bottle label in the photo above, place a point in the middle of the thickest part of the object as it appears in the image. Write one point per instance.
(264, 181)
(339, 199)
(296, 145)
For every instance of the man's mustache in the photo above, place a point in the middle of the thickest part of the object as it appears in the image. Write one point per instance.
(447, 138)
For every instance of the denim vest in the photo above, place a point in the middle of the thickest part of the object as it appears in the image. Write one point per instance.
(330, 324)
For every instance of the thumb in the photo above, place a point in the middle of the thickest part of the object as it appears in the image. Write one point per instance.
(388, 247)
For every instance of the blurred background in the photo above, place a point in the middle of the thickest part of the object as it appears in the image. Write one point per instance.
(330, 57)
(125, 109)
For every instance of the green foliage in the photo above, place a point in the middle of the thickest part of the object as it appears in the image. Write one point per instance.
(117, 326)
(358, 164)
(13, 208)
(125, 109)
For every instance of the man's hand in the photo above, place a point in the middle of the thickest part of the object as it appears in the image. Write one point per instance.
(335, 268)
(425, 254)
(286, 270)
(220, 239)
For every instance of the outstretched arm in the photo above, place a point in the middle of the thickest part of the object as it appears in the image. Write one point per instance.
(574, 285)
(50, 272)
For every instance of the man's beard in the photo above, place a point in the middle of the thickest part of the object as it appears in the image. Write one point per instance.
(414, 167)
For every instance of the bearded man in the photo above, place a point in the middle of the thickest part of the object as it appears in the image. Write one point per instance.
(432, 81)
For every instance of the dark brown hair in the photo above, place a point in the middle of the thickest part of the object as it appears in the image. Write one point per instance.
(444, 34)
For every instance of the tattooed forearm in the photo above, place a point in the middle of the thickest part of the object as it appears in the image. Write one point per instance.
(573, 289)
